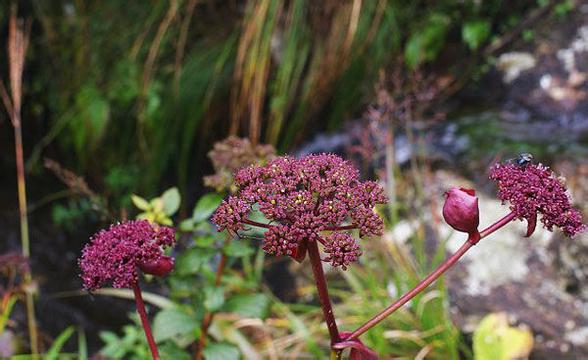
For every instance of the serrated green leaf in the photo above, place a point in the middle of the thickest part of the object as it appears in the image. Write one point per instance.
(206, 206)
(140, 203)
(171, 201)
(214, 298)
(173, 323)
(238, 249)
(221, 351)
(249, 305)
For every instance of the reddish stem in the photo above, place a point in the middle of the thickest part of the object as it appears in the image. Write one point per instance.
(448, 263)
(266, 226)
(145, 321)
(323, 292)
(255, 223)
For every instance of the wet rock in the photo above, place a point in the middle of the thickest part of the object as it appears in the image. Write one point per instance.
(512, 64)
(555, 85)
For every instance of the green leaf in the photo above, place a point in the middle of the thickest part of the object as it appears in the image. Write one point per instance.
(192, 260)
(169, 350)
(91, 119)
(171, 201)
(140, 203)
(156, 204)
(249, 305)
(221, 351)
(238, 249)
(173, 323)
(474, 33)
(206, 206)
(425, 43)
(495, 339)
(214, 298)
(53, 353)
(146, 216)
(205, 241)
(186, 225)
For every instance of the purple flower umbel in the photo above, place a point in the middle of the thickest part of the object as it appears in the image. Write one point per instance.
(115, 254)
(532, 189)
(303, 198)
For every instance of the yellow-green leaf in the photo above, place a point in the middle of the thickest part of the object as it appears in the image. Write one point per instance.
(495, 339)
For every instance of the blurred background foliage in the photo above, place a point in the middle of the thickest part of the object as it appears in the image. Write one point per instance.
(133, 94)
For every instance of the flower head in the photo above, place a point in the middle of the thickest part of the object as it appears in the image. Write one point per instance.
(342, 249)
(302, 198)
(533, 189)
(231, 154)
(114, 255)
(461, 211)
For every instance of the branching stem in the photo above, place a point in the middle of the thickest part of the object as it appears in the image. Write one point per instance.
(446, 265)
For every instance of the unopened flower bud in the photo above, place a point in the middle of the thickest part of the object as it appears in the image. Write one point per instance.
(461, 211)
(158, 267)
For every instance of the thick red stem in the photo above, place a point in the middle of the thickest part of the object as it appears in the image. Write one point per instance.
(145, 321)
(323, 292)
(448, 263)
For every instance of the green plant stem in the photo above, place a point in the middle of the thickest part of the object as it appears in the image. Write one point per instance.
(446, 265)
(323, 292)
(24, 230)
(145, 321)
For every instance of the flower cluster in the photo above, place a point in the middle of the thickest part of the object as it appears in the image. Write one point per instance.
(115, 254)
(532, 189)
(302, 199)
(342, 250)
(230, 155)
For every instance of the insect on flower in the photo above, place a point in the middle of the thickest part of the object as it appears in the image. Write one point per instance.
(522, 160)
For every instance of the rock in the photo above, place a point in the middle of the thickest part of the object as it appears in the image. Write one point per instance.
(512, 64)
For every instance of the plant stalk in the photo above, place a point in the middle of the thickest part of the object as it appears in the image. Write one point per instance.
(446, 265)
(145, 321)
(24, 228)
(323, 292)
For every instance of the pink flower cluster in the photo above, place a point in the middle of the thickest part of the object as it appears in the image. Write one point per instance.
(231, 154)
(115, 254)
(302, 198)
(342, 250)
(532, 189)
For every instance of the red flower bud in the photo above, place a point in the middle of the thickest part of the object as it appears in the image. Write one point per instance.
(461, 210)
(159, 267)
